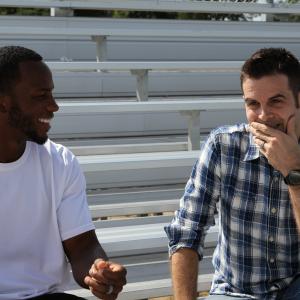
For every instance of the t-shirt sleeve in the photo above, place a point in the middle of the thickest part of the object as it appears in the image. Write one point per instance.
(73, 213)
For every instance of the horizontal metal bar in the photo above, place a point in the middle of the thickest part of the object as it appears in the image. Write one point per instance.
(267, 34)
(73, 108)
(213, 66)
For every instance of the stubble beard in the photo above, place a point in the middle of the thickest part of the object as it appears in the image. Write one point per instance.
(17, 119)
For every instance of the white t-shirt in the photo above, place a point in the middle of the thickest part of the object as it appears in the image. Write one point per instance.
(42, 203)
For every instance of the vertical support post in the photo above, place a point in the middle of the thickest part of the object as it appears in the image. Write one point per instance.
(193, 128)
(142, 92)
(101, 47)
(61, 12)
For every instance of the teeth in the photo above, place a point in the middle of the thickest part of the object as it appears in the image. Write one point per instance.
(44, 120)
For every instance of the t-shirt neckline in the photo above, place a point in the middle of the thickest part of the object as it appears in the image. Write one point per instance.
(18, 162)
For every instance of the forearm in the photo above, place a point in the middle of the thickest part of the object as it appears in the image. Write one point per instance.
(81, 267)
(82, 251)
(295, 200)
(184, 265)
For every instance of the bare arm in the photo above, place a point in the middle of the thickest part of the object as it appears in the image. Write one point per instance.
(90, 267)
(184, 265)
(82, 250)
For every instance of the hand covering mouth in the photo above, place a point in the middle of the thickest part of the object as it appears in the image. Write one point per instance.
(276, 124)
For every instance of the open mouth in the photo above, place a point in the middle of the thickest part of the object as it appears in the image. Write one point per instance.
(44, 124)
(45, 121)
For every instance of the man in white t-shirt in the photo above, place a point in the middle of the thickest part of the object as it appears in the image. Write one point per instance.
(45, 225)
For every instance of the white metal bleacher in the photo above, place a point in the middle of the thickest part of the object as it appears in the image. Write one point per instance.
(145, 183)
(141, 69)
(190, 108)
(140, 242)
(213, 31)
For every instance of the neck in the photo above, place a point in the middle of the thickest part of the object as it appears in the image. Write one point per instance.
(11, 151)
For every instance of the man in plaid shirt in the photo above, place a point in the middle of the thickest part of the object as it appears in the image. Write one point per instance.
(253, 172)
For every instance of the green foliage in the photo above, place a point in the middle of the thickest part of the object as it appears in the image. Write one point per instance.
(157, 15)
(294, 18)
(24, 11)
(151, 14)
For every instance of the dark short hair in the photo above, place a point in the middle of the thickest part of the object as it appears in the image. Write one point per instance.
(10, 58)
(271, 61)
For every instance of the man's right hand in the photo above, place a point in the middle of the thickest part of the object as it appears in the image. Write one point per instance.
(106, 279)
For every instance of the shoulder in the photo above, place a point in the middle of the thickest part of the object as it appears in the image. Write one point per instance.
(230, 137)
(56, 153)
(229, 132)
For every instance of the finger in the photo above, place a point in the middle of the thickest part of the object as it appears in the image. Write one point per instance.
(116, 274)
(297, 121)
(291, 127)
(264, 131)
(259, 142)
(95, 285)
(100, 290)
(100, 264)
(260, 136)
(99, 276)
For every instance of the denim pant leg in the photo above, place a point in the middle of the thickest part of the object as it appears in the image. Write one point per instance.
(224, 297)
(292, 292)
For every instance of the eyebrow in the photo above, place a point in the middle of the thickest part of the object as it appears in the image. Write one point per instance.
(249, 99)
(271, 98)
(277, 96)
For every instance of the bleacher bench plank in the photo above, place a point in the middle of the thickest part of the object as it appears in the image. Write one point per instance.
(190, 108)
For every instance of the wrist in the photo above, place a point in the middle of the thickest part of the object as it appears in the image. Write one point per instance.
(293, 178)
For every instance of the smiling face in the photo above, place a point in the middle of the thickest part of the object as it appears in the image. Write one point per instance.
(31, 103)
(269, 100)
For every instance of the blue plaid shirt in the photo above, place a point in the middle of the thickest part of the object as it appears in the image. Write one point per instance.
(257, 253)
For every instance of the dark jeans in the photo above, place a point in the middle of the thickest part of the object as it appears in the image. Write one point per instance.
(57, 296)
(292, 292)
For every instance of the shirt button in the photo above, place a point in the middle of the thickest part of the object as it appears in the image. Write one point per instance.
(273, 210)
(272, 260)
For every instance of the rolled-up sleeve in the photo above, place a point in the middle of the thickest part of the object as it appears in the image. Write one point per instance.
(198, 204)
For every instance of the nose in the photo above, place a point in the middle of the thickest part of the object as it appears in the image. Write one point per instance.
(264, 113)
(52, 105)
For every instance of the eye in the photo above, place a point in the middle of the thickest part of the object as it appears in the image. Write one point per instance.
(252, 103)
(276, 101)
(40, 97)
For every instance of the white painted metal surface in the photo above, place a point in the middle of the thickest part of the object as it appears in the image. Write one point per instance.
(191, 109)
(89, 107)
(141, 69)
(136, 161)
(142, 32)
(204, 66)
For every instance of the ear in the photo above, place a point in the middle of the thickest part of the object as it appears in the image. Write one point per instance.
(4, 104)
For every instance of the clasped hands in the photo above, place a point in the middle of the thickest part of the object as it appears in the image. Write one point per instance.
(106, 279)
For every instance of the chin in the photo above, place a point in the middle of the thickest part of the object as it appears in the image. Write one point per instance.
(41, 140)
